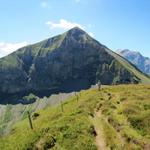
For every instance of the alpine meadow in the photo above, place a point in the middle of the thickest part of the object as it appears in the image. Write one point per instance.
(70, 91)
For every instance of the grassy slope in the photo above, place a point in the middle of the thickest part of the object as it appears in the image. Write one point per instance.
(124, 121)
(144, 78)
(39, 48)
(9, 114)
(13, 61)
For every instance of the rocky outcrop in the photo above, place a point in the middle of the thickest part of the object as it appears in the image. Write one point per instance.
(143, 63)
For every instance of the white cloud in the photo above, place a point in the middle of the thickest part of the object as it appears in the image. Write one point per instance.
(63, 24)
(66, 25)
(91, 34)
(7, 48)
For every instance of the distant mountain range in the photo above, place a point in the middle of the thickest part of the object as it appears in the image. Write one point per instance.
(68, 62)
(142, 62)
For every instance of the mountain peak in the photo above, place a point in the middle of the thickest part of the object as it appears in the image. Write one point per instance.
(76, 34)
(68, 62)
(135, 57)
(76, 31)
(123, 51)
(129, 52)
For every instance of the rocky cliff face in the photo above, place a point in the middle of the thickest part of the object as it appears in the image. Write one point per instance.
(68, 62)
(143, 63)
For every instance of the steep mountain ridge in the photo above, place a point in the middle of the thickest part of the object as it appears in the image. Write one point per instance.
(142, 62)
(67, 62)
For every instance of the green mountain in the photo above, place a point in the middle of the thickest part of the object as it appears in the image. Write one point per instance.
(64, 63)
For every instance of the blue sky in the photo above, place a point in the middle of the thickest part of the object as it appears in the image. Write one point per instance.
(118, 24)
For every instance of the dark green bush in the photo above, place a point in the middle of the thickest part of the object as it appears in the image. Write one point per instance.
(31, 98)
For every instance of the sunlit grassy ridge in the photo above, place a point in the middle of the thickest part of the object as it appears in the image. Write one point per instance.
(10, 114)
(124, 122)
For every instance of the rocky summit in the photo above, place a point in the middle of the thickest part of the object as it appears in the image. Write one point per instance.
(67, 62)
(142, 62)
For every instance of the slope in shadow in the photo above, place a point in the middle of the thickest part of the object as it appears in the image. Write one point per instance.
(67, 87)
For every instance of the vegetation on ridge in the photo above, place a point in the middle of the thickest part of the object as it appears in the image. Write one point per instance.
(124, 119)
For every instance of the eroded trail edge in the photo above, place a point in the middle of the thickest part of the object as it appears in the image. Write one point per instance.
(99, 138)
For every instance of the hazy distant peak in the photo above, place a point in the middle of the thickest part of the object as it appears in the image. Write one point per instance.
(135, 57)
